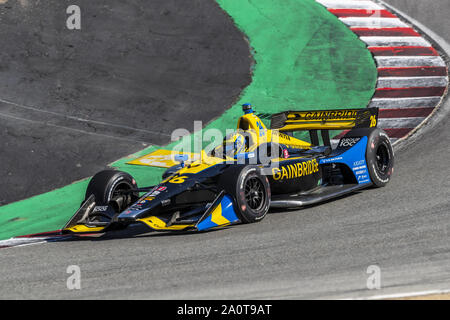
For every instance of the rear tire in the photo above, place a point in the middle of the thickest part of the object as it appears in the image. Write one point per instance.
(380, 157)
(250, 191)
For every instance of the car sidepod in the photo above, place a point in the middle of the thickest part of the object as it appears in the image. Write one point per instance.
(351, 153)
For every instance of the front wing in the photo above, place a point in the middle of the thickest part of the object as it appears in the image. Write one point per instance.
(220, 213)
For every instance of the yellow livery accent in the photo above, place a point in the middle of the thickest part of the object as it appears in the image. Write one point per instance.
(373, 121)
(178, 179)
(157, 224)
(165, 159)
(291, 142)
(217, 217)
(81, 228)
(162, 158)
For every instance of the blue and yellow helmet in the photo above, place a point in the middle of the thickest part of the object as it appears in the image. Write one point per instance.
(234, 144)
(247, 108)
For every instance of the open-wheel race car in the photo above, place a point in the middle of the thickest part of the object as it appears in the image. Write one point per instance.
(255, 168)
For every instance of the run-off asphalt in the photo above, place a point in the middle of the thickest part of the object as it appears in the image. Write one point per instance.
(72, 101)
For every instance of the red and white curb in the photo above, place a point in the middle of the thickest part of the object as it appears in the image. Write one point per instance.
(412, 77)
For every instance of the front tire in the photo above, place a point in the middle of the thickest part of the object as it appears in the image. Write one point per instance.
(250, 191)
(110, 186)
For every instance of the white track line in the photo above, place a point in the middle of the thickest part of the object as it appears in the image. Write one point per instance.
(409, 61)
(350, 4)
(3, 115)
(409, 82)
(411, 122)
(14, 242)
(84, 120)
(405, 295)
(369, 22)
(395, 41)
(400, 103)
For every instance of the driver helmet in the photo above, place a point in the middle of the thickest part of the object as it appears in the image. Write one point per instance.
(234, 144)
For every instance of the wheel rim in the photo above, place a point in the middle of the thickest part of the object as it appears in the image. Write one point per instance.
(254, 193)
(382, 159)
(117, 193)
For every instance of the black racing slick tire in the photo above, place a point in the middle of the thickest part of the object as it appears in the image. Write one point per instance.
(108, 185)
(250, 191)
(380, 157)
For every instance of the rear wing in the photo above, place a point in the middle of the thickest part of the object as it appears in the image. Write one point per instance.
(341, 119)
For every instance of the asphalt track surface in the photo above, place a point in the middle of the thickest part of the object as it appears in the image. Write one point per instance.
(322, 251)
(73, 101)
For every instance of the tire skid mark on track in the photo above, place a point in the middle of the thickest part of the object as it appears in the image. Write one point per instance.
(412, 76)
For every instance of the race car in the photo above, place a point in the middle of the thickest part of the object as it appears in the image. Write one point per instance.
(252, 170)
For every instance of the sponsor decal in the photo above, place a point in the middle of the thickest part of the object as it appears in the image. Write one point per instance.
(360, 171)
(100, 209)
(363, 179)
(336, 159)
(348, 142)
(296, 170)
(326, 115)
(154, 192)
(282, 135)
